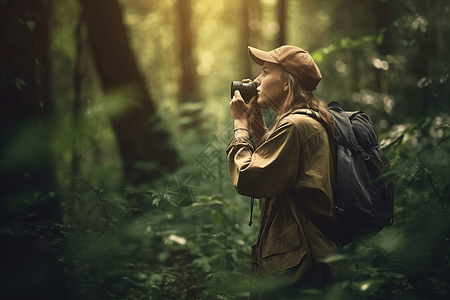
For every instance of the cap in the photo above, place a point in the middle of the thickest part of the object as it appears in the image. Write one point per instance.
(294, 60)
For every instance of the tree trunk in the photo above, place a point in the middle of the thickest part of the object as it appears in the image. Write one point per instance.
(28, 206)
(189, 87)
(351, 27)
(143, 143)
(251, 35)
(382, 18)
(282, 22)
(245, 40)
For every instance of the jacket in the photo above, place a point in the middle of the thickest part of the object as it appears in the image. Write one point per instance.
(293, 175)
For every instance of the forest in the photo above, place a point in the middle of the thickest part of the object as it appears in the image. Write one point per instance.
(114, 120)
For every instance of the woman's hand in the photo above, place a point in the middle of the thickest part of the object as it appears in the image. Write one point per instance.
(240, 111)
(248, 115)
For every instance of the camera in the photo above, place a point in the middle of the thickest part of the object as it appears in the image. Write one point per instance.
(247, 90)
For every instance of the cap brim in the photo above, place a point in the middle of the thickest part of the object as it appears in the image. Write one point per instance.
(259, 56)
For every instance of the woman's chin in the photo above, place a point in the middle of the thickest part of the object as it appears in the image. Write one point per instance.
(261, 102)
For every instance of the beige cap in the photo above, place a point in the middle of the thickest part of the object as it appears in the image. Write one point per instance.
(294, 60)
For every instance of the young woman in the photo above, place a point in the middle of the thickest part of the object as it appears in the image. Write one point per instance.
(289, 168)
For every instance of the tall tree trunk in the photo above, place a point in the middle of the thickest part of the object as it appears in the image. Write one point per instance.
(382, 18)
(189, 86)
(28, 207)
(78, 74)
(351, 26)
(245, 40)
(144, 144)
(251, 12)
(282, 6)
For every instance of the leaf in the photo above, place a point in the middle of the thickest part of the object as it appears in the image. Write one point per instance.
(20, 83)
(380, 38)
(218, 217)
(235, 208)
(398, 275)
(136, 210)
(317, 56)
(334, 258)
(442, 140)
(130, 190)
(31, 25)
(216, 202)
(6, 231)
(217, 197)
(156, 201)
(346, 43)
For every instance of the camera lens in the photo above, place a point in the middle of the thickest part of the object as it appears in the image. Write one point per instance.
(247, 89)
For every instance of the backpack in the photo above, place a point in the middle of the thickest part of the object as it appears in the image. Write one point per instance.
(364, 196)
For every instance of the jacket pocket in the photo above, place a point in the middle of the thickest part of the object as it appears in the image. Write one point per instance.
(282, 252)
(282, 261)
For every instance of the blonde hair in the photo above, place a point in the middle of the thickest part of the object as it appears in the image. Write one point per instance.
(297, 97)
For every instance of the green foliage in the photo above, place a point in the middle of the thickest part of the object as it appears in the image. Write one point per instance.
(158, 252)
(136, 242)
(346, 44)
(404, 259)
(145, 246)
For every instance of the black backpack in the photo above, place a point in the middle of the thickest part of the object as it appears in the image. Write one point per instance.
(364, 196)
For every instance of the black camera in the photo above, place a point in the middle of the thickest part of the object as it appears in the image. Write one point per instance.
(247, 90)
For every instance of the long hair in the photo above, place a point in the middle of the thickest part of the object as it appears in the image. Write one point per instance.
(297, 97)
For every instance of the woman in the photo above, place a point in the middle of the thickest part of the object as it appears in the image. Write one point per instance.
(289, 168)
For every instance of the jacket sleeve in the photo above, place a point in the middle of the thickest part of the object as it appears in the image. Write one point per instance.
(268, 170)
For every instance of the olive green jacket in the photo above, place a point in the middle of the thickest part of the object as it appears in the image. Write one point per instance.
(292, 173)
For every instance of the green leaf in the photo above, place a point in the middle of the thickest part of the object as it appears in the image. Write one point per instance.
(156, 201)
(235, 208)
(218, 217)
(398, 275)
(443, 140)
(380, 38)
(31, 25)
(346, 43)
(334, 258)
(317, 56)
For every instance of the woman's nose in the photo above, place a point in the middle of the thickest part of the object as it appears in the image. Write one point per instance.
(257, 80)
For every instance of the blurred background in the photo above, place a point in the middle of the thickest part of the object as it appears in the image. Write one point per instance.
(114, 121)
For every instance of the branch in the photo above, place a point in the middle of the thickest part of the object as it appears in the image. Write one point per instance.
(442, 204)
(435, 191)
(414, 177)
(188, 289)
(98, 194)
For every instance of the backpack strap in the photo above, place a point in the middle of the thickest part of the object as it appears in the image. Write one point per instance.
(314, 114)
(345, 134)
(373, 150)
(329, 130)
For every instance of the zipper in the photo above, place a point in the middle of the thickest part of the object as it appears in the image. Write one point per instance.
(265, 216)
(261, 229)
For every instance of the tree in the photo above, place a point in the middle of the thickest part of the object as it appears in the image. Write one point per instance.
(282, 22)
(189, 96)
(144, 143)
(251, 11)
(29, 208)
